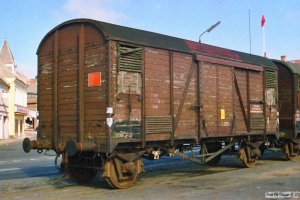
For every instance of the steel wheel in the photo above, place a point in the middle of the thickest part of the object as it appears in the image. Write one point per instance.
(245, 160)
(288, 152)
(113, 168)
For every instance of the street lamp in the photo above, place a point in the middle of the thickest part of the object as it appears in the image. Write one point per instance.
(209, 29)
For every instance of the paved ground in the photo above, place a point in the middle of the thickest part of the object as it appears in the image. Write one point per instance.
(33, 176)
(28, 133)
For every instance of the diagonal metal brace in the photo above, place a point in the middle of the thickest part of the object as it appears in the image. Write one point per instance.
(219, 152)
(184, 156)
(212, 155)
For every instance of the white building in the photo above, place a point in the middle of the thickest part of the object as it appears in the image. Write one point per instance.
(15, 94)
(4, 88)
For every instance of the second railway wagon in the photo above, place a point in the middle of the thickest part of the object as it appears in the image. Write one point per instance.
(289, 104)
(108, 95)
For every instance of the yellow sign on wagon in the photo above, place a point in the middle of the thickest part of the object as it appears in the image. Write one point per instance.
(222, 113)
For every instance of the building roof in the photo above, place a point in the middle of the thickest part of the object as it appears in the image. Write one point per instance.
(6, 57)
(3, 80)
(5, 72)
(22, 77)
(295, 61)
(32, 89)
(147, 38)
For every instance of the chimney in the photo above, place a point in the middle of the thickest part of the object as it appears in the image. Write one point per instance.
(283, 58)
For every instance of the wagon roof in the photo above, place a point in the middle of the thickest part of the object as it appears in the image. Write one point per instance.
(147, 38)
(293, 67)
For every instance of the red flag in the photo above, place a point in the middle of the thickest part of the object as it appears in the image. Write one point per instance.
(263, 20)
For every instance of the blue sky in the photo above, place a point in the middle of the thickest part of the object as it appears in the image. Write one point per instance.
(25, 22)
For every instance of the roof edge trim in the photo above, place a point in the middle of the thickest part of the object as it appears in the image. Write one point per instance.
(285, 64)
(78, 20)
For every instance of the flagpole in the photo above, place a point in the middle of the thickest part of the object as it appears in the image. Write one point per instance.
(264, 42)
(263, 20)
(249, 28)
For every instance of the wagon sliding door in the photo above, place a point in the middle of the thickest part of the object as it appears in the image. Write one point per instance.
(231, 96)
(72, 89)
(249, 101)
(217, 99)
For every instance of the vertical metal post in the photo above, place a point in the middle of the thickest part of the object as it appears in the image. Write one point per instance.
(38, 96)
(294, 99)
(143, 102)
(264, 42)
(218, 101)
(81, 82)
(249, 12)
(198, 108)
(55, 90)
(233, 97)
(172, 95)
(110, 55)
(264, 105)
(248, 100)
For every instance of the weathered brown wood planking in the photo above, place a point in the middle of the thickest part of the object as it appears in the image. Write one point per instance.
(285, 92)
(219, 93)
(157, 98)
(241, 122)
(94, 59)
(182, 66)
(157, 84)
(208, 88)
(125, 101)
(45, 100)
(285, 95)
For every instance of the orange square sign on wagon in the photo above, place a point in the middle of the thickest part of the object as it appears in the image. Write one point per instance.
(94, 79)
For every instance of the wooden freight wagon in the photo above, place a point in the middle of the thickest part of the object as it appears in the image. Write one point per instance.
(109, 94)
(289, 104)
